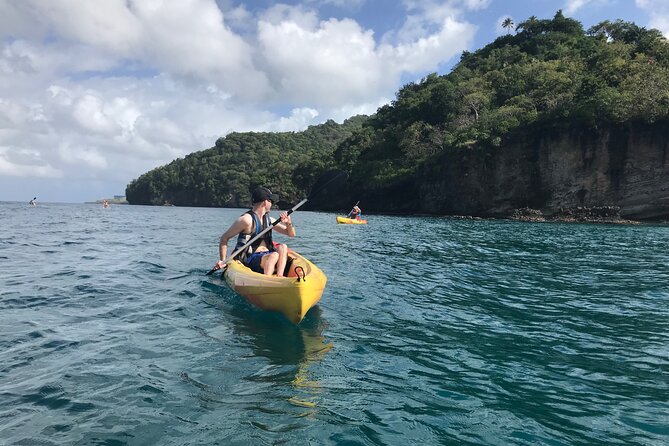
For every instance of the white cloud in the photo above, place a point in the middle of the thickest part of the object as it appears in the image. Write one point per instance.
(187, 38)
(319, 63)
(12, 114)
(661, 23)
(571, 6)
(422, 18)
(33, 166)
(342, 113)
(347, 4)
(239, 17)
(190, 39)
(299, 119)
(108, 24)
(88, 112)
(104, 91)
(81, 156)
(453, 37)
(477, 4)
(659, 13)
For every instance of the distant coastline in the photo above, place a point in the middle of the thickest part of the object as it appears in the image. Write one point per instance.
(118, 199)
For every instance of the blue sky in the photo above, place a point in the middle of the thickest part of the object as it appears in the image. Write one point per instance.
(93, 94)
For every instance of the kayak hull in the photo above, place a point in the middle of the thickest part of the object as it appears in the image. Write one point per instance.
(291, 296)
(350, 221)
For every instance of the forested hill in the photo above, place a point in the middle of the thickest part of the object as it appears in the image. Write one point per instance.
(225, 175)
(544, 80)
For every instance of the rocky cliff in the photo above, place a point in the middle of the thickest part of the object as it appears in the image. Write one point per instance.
(625, 167)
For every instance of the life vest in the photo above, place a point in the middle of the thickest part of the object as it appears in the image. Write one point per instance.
(243, 238)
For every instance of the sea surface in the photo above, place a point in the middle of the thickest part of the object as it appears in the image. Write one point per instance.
(430, 331)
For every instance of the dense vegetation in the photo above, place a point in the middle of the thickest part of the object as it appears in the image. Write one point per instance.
(550, 73)
(224, 175)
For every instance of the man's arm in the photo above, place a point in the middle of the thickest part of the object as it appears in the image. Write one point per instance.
(238, 226)
(286, 226)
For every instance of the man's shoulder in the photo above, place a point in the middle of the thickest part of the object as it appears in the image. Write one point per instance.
(246, 218)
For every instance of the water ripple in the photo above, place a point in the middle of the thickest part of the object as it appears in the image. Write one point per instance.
(430, 331)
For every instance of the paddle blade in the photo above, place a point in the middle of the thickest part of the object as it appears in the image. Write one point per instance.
(212, 271)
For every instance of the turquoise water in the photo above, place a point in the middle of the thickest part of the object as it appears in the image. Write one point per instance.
(430, 331)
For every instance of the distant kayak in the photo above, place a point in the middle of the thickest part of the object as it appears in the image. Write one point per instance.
(350, 221)
(291, 296)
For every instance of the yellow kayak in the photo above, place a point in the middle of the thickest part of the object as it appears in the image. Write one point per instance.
(291, 296)
(350, 221)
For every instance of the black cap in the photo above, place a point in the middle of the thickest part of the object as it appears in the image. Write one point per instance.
(262, 194)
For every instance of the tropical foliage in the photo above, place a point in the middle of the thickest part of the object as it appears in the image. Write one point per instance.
(551, 73)
(224, 175)
(548, 74)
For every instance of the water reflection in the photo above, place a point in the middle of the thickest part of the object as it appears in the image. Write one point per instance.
(289, 351)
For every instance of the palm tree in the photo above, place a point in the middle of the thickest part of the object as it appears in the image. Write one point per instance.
(507, 24)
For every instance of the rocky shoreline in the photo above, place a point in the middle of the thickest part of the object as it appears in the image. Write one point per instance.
(580, 214)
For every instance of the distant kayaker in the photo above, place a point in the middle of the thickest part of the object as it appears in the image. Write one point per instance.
(262, 256)
(33, 202)
(355, 213)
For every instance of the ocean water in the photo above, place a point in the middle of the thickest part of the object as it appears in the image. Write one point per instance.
(430, 331)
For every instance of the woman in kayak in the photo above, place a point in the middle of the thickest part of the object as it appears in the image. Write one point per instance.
(262, 256)
(355, 213)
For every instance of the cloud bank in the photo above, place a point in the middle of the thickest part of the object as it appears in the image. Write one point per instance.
(108, 90)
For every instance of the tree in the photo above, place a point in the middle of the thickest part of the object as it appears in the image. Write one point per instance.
(507, 24)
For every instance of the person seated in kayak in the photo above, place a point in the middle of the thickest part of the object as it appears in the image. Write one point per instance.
(262, 256)
(355, 213)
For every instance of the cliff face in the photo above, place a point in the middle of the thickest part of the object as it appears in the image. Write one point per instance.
(624, 166)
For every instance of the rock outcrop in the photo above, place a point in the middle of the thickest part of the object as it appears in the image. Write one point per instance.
(619, 167)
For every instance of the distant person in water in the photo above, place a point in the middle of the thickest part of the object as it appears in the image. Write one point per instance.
(33, 202)
(355, 213)
(105, 204)
(263, 255)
